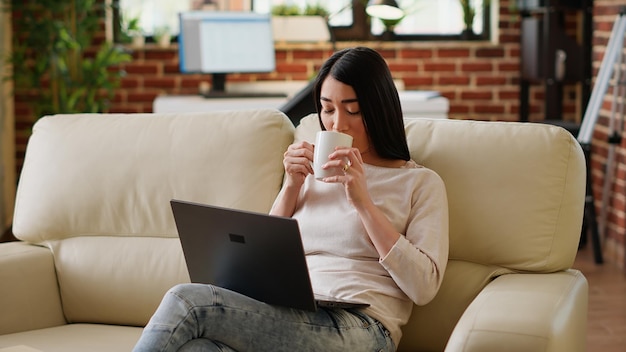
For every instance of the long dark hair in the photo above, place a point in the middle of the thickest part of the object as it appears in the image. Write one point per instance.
(366, 71)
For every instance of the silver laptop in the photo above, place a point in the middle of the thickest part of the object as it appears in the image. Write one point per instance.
(258, 255)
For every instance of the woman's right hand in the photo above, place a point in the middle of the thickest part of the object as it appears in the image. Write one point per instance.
(298, 161)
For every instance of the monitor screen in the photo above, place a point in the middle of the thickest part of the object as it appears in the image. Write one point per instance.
(221, 42)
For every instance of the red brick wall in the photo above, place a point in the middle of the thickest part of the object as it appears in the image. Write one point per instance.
(480, 79)
(613, 216)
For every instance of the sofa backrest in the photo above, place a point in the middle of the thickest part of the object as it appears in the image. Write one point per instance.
(516, 195)
(514, 189)
(95, 188)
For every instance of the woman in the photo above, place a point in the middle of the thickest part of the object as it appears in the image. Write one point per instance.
(376, 233)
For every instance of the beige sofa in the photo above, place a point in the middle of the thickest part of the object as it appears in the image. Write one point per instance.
(100, 247)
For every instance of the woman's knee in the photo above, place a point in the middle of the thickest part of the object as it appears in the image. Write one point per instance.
(181, 289)
(192, 294)
(199, 345)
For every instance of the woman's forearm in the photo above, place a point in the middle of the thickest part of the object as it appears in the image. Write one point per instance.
(285, 203)
(382, 233)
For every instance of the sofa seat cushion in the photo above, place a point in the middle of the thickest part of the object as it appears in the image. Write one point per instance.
(116, 279)
(76, 338)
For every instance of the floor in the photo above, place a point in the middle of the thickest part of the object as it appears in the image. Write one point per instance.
(606, 326)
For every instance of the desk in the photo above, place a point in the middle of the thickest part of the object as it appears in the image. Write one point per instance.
(415, 104)
(198, 103)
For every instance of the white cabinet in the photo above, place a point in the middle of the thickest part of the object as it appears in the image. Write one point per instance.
(415, 104)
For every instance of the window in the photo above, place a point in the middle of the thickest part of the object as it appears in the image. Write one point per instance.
(424, 19)
(441, 17)
(152, 16)
(340, 11)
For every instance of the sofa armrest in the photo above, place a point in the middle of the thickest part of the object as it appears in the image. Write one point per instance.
(29, 293)
(526, 312)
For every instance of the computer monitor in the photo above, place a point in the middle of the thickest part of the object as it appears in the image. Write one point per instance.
(223, 42)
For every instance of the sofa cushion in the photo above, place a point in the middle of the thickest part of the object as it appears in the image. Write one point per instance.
(114, 174)
(525, 224)
(116, 280)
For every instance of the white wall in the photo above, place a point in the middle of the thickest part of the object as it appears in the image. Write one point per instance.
(7, 129)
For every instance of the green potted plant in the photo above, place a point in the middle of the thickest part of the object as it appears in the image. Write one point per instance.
(315, 10)
(56, 60)
(131, 32)
(291, 23)
(469, 12)
(286, 10)
(162, 36)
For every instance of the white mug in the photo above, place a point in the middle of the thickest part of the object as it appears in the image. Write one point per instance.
(325, 143)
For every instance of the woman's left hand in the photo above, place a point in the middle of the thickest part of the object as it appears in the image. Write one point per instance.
(349, 160)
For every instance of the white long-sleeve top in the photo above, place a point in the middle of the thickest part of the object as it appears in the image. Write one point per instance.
(344, 263)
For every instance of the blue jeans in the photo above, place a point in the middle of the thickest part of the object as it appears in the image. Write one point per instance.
(194, 317)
